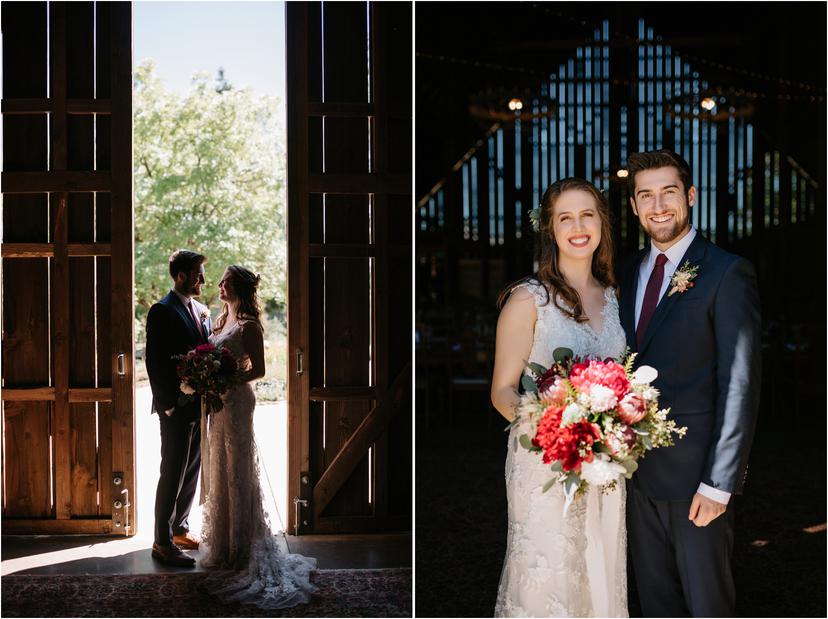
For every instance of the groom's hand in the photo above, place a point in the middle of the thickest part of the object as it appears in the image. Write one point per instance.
(703, 511)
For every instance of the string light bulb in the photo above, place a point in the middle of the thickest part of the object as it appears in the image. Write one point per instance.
(622, 173)
(515, 105)
(709, 104)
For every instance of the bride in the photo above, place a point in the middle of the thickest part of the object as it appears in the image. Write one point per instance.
(571, 565)
(236, 534)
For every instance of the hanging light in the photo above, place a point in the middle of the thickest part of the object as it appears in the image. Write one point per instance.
(515, 105)
(709, 104)
(622, 173)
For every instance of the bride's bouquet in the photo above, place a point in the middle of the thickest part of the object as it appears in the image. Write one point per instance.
(207, 371)
(592, 419)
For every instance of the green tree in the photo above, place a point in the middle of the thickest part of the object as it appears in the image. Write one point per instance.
(209, 176)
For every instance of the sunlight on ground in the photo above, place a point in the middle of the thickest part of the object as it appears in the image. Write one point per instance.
(270, 427)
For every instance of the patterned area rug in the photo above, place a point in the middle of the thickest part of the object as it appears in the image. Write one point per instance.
(342, 593)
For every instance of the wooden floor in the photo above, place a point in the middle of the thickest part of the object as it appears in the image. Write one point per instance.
(83, 554)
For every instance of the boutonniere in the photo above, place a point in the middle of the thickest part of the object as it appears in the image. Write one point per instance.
(205, 314)
(683, 278)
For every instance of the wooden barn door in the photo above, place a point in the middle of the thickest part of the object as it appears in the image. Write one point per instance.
(67, 276)
(349, 266)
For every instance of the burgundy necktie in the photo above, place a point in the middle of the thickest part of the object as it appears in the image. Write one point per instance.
(648, 307)
(198, 324)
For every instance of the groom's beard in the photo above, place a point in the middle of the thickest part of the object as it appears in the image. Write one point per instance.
(670, 234)
(192, 288)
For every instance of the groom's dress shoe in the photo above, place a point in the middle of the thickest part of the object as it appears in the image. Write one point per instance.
(171, 555)
(186, 541)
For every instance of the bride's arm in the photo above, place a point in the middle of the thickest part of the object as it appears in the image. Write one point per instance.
(253, 339)
(515, 331)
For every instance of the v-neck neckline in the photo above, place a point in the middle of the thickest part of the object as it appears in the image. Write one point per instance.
(602, 313)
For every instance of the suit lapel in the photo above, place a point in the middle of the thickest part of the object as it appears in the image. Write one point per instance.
(693, 255)
(185, 316)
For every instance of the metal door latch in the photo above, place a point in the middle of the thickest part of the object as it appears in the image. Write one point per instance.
(299, 362)
(296, 503)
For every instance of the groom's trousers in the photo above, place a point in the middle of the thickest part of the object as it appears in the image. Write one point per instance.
(180, 466)
(681, 570)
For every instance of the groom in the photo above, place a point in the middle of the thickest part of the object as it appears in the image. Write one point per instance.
(175, 325)
(690, 310)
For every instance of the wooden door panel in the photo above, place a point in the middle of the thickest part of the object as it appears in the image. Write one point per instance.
(26, 479)
(344, 51)
(343, 176)
(67, 409)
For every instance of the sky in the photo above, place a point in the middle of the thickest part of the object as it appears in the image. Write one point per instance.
(246, 38)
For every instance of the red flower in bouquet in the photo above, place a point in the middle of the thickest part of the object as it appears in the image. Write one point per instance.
(572, 445)
(548, 379)
(611, 375)
(548, 427)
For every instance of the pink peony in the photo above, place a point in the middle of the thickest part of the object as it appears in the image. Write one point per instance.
(606, 374)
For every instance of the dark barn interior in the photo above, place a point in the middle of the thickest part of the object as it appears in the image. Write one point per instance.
(511, 97)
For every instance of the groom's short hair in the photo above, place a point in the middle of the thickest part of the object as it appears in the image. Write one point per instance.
(654, 159)
(184, 261)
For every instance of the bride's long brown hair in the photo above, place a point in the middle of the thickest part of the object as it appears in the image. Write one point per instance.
(546, 252)
(245, 285)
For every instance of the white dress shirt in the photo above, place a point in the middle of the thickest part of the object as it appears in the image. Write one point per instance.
(674, 254)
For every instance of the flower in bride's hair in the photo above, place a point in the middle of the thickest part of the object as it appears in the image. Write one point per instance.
(535, 218)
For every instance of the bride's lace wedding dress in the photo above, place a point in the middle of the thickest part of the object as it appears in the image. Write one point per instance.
(236, 534)
(556, 565)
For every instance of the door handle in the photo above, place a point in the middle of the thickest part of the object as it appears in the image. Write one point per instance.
(299, 362)
(121, 364)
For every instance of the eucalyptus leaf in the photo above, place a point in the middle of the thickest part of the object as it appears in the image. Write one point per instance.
(528, 384)
(560, 354)
(645, 439)
(556, 466)
(639, 431)
(571, 484)
(631, 465)
(549, 484)
(526, 442)
(537, 368)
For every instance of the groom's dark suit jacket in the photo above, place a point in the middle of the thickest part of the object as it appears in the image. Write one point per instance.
(706, 345)
(171, 331)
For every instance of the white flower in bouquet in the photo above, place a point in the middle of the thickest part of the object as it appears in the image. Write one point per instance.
(185, 388)
(644, 375)
(603, 398)
(572, 414)
(601, 471)
(650, 394)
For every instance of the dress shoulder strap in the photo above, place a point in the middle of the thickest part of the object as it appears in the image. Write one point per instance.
(537, 290)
